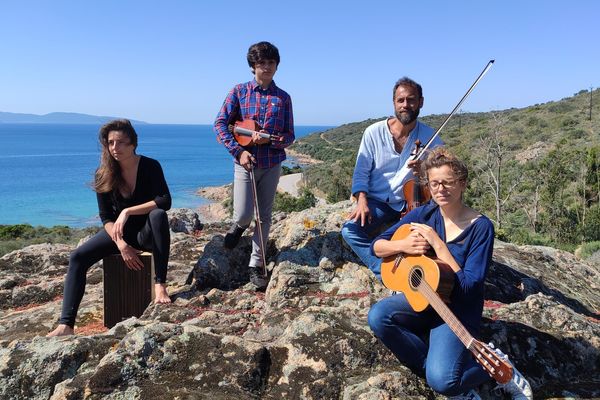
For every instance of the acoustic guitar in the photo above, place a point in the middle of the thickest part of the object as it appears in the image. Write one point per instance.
(429, 281)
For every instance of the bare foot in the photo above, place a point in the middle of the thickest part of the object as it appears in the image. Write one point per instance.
(160, 291)
(61, 330)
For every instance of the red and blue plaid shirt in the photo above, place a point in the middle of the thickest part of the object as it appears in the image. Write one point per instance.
(271, 108)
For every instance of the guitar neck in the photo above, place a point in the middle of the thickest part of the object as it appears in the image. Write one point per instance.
(444, 312)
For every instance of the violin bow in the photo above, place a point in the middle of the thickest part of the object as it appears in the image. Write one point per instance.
(437, 132)
(258, 222)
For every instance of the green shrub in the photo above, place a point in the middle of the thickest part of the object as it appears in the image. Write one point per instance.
(285, 170)
(523, 236)
(20, 231)
(591, 229)
(532, 121)
(14, 237)
(587, 249)
(288, 203)
(568, 122)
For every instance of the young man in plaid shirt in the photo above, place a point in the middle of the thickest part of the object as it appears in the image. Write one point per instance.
(262, 101)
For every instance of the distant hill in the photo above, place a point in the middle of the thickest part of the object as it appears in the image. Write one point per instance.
(535, 170)
(56, 118)
(539, 127)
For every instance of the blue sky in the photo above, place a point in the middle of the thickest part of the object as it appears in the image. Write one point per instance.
(174, 61)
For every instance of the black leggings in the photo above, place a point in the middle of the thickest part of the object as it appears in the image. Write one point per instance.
(154, 236)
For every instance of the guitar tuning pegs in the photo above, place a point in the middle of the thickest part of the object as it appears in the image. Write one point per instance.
(501, 354)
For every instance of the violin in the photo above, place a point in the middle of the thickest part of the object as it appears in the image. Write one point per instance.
(415, 193)
(243, 131)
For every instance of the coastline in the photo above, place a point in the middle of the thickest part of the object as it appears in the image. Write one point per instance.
(53, 190)
(215, 211)
(301, 158)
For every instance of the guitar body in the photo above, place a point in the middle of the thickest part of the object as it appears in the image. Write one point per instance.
(402, 273)
(427, 281)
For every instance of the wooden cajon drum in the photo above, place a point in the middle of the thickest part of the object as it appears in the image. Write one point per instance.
(127, 292)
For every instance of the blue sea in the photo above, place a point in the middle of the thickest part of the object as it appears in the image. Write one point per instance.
(46, 169)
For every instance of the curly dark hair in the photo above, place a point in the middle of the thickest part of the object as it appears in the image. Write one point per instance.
(405, 81)
(262, 51)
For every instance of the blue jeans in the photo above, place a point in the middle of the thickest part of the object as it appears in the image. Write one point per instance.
(359, 238)
(426, 345)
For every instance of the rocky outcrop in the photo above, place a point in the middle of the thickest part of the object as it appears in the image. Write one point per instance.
(184, 220)
(306, 337)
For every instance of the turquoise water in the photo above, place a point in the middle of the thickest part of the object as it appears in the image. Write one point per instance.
(45, 169)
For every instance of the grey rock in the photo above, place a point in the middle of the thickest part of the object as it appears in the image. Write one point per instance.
(36, 258)
(306, 337)
(184, 220)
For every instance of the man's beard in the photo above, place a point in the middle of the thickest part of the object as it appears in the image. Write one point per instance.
(408, 116)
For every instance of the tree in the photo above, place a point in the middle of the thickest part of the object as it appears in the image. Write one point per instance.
(557, 172)
(528, 199)
(592, 182)
(491, 167)
(588, 190)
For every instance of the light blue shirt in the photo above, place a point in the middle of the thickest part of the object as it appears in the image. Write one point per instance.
(380, 170)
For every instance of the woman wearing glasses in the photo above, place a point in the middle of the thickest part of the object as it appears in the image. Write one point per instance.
(133, 198)
(464, 239)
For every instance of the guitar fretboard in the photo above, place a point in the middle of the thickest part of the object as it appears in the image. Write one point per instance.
(443, 311)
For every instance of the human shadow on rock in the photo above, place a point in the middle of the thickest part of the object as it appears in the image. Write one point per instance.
(226, 269)
(507, 285)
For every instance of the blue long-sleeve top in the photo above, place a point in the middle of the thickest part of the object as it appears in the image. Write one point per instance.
(472, 250)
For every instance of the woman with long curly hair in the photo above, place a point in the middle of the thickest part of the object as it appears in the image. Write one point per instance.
(133, 198)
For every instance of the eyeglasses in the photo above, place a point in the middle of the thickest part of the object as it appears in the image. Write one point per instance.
(434, 185)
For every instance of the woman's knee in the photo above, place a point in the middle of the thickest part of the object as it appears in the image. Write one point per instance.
(442, 381)
(79, 262)
(158, 215)
(376, 318)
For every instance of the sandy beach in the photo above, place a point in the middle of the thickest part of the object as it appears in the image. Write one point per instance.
(290, 183)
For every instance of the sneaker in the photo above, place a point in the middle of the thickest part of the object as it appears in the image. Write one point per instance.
(518, 387)
(258, 279)
(233, 235)
(470, 395)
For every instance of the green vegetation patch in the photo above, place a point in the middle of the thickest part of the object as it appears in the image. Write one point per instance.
(14, 237)
(534, 171)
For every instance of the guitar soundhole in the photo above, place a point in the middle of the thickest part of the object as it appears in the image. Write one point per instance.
(416, 276)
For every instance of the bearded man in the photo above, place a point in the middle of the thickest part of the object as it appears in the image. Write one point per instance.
(382, 168)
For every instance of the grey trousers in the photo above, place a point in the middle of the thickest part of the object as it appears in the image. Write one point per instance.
(243, 206)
